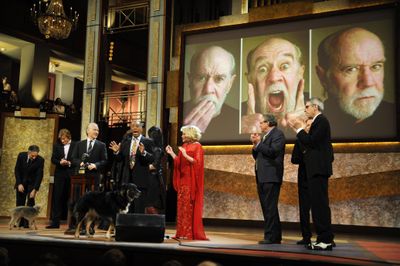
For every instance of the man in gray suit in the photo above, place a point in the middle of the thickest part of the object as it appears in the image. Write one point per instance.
(268, 153)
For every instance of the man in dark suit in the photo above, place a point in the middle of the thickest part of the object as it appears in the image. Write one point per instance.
(28, 177)
(268, 153)
(318, 158)
(95, 158)
(62, 159)
(302, 186)
(135, 154)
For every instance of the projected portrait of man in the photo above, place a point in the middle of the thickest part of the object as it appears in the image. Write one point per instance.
(275, 83)
(212, 73)
(351, 70)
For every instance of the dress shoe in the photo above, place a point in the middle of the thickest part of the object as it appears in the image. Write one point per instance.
(303, 242)
(91, 230)
(267, 242)
(82, 232)
(52, 226)
(320, 246)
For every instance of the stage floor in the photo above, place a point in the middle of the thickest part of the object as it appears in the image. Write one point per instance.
(225, 245)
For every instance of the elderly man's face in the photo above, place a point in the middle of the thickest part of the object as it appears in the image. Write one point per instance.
(93, 131)
(356, 75)
(212, 78)
(275, 75)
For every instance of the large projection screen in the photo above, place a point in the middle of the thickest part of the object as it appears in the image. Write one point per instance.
(231, 76)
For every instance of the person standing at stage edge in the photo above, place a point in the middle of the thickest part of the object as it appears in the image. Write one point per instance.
(62, 159)
(318, 158)
(268, 152)
(188, 181)
(135, 153)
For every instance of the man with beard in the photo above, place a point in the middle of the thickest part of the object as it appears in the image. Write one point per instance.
(275, 83)
(212, 73)
(351, 69)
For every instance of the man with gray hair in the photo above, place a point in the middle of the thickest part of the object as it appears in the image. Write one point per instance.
(318, 158)
(212, 73)
(268, 152)
(91, 154)
(351, 70)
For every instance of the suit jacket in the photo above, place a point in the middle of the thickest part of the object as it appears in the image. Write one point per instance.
(318, 156)
(57, 155)
(269, 155)
(97, 156)
(298, 158)
(140, 172)
(30, 176)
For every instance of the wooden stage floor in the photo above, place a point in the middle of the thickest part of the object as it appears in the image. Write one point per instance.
(226, 245)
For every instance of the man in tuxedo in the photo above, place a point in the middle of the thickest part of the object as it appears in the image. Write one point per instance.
(91, 154)
(268, 152)
(62, 159)
(318, 158)
(302, 186)
(28, 177)
(135, 154)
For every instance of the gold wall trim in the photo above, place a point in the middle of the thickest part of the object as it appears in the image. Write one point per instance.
(354, 147)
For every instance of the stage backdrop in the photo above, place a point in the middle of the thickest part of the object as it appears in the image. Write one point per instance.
(18, 135)
(364, 189)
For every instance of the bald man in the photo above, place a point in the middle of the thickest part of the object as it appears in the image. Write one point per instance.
(275, 83)
(211, 76)
(351, 69)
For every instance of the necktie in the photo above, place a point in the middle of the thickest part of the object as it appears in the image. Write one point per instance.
(90, 146)
(264, 137)
(133, 152)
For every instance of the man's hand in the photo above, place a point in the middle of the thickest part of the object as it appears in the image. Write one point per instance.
(255, 138)
(201, 115)
(32, 194)
(64, 162)
(251, 121)
(296, 123)
(141, 148)
(299, 107)
(21, 188)
(92, 166)
(114, 146)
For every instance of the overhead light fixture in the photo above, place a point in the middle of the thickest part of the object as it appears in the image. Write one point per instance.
(52, 20)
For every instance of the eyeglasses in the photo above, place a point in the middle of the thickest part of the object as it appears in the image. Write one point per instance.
(309, 105)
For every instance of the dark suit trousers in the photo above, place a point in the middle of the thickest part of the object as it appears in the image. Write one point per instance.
(268, 194)
(304, 209)
(60, 189)
(321, 213)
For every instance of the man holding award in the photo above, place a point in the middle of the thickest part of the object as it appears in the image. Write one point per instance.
(90, 155)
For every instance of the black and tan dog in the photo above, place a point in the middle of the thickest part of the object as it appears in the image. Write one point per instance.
(27, 212)
(106, 205)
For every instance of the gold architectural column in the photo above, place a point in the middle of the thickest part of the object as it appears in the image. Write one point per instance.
(92, 55)
(155, 72)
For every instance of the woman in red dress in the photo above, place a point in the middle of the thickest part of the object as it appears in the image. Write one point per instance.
(188, 181)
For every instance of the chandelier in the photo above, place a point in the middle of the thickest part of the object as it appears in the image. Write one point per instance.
(52, 20)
